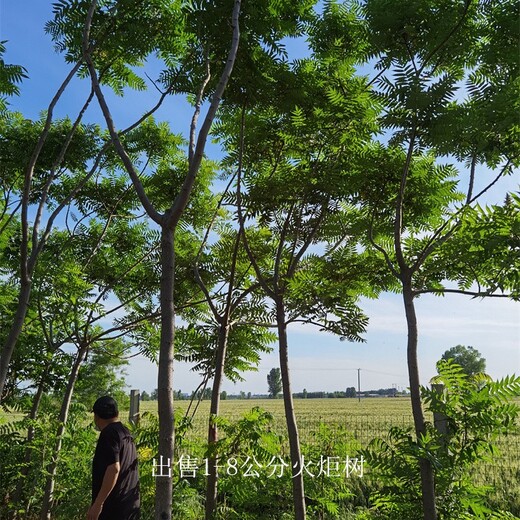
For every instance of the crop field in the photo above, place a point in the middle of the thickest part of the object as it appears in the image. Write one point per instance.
(369, 418)
(366, 419)
(361, 422)
(356, 424)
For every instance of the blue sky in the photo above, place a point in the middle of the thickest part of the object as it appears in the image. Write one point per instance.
(318, 361)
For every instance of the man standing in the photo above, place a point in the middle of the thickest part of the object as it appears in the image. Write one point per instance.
(115, 480)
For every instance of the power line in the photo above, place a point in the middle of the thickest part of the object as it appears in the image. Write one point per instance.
(384, 373)
(332, 369)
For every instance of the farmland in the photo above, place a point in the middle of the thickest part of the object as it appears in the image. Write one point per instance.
(359, 423)
(365, 419)
(354, 424)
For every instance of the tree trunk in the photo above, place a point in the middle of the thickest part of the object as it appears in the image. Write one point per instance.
(211, 490)
(163, 493)
(16, 330)
(48, 497)
(28, 261)
(292, 428)
(427, 479)
(17, 497)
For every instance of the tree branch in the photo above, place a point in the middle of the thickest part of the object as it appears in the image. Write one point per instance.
(241, 219)
(209, 299)
(280, 248)
(182, 199)
(398, 223)
(454, 29)
(471, 178)
(54, 168)
(59, 208)
(295, 260)
(474, 294)
(433, 242)
(381, 249)
(116, 141)
(196, 113)
(125, 327)
(244, 294)
(10, 217)
(105, 227)
(26, 269)
(214, 218)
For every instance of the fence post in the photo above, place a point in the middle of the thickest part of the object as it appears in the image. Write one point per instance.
(440, 421)
(133, 416)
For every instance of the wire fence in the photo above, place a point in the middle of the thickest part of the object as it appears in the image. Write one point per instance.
(501, 469)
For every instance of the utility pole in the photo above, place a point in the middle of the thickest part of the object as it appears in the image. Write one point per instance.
(358, 385)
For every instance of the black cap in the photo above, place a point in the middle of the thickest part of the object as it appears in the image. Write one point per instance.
(106, 407)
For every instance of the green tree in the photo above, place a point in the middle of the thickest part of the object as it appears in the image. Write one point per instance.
(222, 338)
(417, 206)
(55, 145)
(274, 383)
(78, 269)
(190, 41)
(476, 414)
(351, 392)
(234, 305)
(10, 75)
(292, 213)
(114, 264)
(468, 358)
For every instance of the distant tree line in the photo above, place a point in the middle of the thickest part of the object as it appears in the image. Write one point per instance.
(349, 392)
(205, 395)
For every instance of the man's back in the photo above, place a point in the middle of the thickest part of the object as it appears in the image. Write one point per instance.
(115, 444)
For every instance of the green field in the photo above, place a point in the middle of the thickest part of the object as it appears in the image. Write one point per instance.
(362, 421)
(354, 424)
(365, 419)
